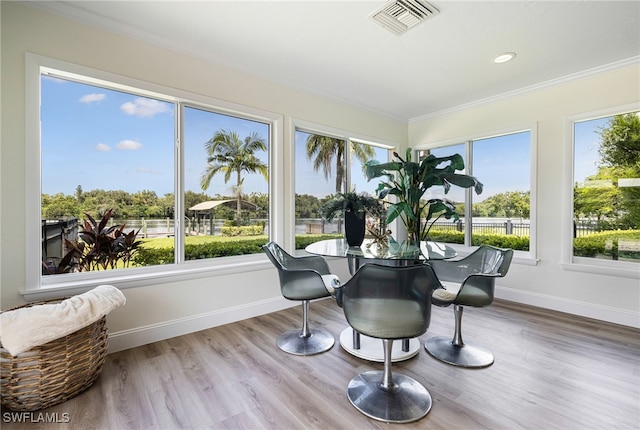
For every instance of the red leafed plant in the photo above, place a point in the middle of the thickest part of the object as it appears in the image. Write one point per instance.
(100, 247)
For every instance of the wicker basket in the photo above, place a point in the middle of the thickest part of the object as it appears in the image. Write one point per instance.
(54, 372)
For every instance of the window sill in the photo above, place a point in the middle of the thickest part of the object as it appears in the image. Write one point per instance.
(623, 270)
(69, 284)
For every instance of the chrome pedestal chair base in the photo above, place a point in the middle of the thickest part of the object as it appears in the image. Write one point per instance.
(294, 342)
(463, 355)
(405, 401)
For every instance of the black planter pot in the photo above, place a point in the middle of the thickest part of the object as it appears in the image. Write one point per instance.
(354, 228)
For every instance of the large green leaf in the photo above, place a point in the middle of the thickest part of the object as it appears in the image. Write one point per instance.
(408, 181)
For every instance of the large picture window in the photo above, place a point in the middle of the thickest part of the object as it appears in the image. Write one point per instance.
(606, 190)
(325, 166)
(501, 215)
(132, 179)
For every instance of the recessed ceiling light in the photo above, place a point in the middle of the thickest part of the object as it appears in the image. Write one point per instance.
(503, 58)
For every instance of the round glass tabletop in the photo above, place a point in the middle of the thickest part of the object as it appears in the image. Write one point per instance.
(407, 250)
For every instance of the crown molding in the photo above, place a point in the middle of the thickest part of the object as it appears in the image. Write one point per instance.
(535, 87)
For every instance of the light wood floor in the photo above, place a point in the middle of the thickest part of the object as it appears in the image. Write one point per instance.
(552, 371)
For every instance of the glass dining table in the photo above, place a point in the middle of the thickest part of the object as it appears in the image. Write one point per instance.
(394, 254)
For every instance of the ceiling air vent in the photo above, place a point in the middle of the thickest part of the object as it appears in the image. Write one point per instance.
(398, 16)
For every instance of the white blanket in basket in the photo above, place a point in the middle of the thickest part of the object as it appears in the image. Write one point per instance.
(22, 329)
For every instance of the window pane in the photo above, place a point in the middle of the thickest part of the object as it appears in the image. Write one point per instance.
(226, 164)
(320, 173)
(447, 230)
(501, 212)
(360, 154)
(606, 196)
(102, 151)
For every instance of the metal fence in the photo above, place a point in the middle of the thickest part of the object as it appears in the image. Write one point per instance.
(482, 226)
(55, 231)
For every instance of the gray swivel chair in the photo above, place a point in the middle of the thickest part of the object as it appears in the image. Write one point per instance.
(301, 278)
(469, 281)
(389, 303)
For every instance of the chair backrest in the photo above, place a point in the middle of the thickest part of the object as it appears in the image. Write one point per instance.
(485, 260)
(489, 260)
(300, 277)
(389, 302)
(477, 273)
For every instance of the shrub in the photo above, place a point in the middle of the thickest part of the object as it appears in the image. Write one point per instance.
(603, 243)
(306, 239)
(245, 230)
(153, 256)
(520, 243)
(158, 251)
(224, 248)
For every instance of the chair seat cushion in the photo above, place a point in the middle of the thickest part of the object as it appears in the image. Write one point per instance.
(386, 318)
(470, 296)
(444, 295)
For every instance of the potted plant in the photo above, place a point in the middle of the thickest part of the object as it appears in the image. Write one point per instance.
(354, 206)
(408, 181)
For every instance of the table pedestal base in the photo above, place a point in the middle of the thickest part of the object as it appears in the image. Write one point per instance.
(371, 348)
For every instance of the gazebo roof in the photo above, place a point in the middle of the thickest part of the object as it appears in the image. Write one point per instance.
(211, 204)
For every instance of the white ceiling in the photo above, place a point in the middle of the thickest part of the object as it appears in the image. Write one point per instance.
(332, 48)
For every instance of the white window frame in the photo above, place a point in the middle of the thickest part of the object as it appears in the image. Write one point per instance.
(297, 124)
(520, 257)
(38, 286)
(569, 261)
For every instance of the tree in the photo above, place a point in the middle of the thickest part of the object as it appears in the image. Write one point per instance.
(59, 206)
(145, 205)
(79, 196)
(167, 204)
(307, 206)
(620, 159)
(323, 150)
(620, 142)
(228, 154)
(510, 204)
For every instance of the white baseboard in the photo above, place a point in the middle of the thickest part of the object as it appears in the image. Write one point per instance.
(125, 339)
(574, 307)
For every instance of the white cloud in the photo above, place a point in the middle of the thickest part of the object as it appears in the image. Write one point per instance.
(93, 97)
(144, 108)
(129, 145)
(103, 147)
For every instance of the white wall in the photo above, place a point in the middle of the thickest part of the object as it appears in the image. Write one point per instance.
(548, 284)
(169, 308)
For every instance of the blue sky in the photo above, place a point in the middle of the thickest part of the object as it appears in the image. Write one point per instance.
(586, 147)
(104, 139)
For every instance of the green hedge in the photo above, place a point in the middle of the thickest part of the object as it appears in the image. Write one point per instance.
(604, 244)
(160, 251)
(153, 256)
(245, 230)
(520, 243)
(156, 251)
(306, 239)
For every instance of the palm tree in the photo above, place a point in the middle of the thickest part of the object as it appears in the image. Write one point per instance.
(325, 148)
(229, 154)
